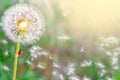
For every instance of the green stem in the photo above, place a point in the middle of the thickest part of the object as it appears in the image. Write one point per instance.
(16, 58)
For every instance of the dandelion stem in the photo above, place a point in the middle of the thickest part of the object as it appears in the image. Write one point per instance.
(16, 58)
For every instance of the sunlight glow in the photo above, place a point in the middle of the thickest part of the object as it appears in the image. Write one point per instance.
(22, 24)
(100, 16)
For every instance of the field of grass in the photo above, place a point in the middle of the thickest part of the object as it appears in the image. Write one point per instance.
(57, 55)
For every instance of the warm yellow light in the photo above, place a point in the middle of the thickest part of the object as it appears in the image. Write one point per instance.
(92, 16)
(22, 24)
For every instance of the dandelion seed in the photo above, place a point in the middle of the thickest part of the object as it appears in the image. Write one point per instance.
(102, 72)
(109, 53)
(43, 53)
(34, 48)
(115, 67)
(6, 53)
(40, 66)
(82, 49)
(85, 63)
(36, 51)
(4, 41)
(100, 65)
(50, 57)
(61, 77)
(28, 62)
(55, 72)
(86, 78)
(57, 75)
(114, 60)
(0, 24)
(112, 40)
(65, 12)
(74, 77)
(109, 43)
(25, 18)
(34, 55)
(109, 78)
(117, 49)
(112, 54)
(109, 40)
(5, 68)
(63, 37)
(70, 69)
(56, 65)
(32, 59)
(116, 54)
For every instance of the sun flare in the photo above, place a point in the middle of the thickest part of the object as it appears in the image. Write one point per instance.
(22, 24)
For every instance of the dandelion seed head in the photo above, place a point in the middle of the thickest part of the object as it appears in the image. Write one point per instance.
(109, 42)
(112, 40)
(23, 17)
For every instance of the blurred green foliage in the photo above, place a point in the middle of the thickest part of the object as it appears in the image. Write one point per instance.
(64, 51)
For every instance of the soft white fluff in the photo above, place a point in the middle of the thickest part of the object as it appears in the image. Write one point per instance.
(34, 16)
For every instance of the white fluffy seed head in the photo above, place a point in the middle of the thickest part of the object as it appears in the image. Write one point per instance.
(27, 12)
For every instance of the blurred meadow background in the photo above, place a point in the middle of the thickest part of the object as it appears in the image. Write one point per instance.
(81, 42)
